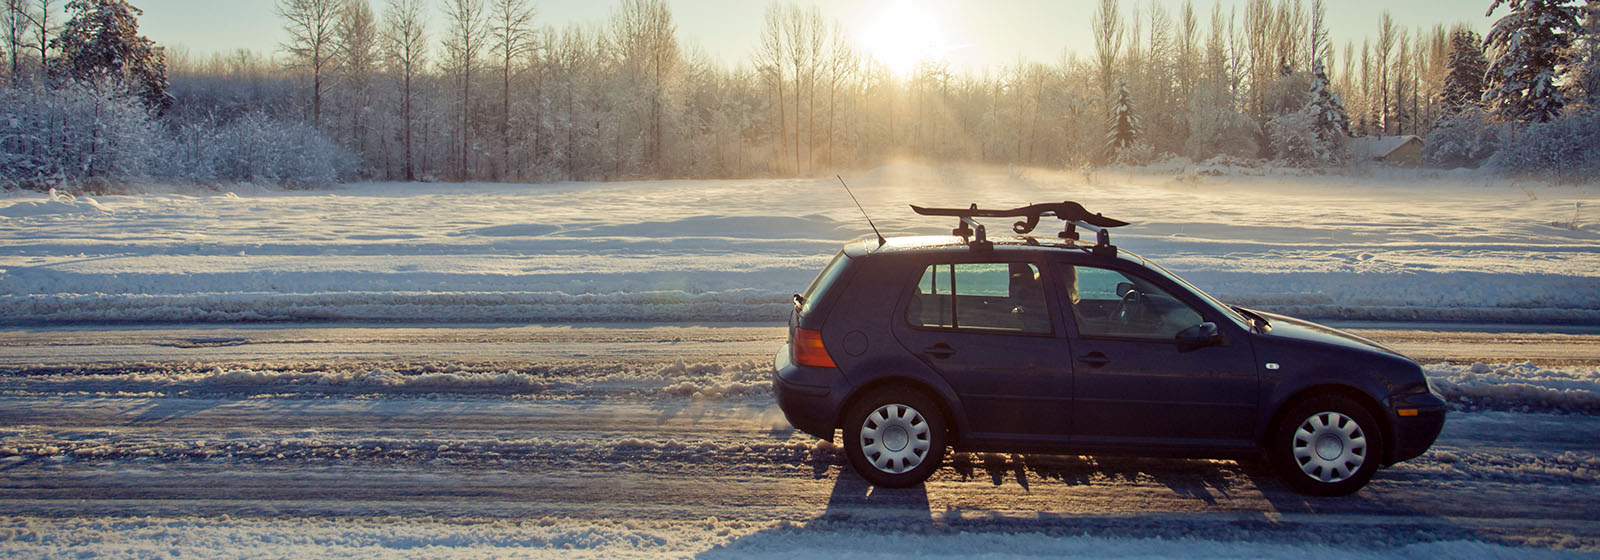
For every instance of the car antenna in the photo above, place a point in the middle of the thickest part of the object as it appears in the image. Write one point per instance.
(881, 240)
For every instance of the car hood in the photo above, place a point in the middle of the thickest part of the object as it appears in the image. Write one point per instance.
(1283, 326)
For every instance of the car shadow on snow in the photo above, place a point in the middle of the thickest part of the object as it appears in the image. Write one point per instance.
(855, 506)
(1224, 496)
(1206, 481)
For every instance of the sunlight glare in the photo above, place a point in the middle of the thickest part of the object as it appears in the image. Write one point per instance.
(903, 35)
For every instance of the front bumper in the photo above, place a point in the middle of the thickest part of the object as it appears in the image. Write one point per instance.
(1415, 434)
(810, 397)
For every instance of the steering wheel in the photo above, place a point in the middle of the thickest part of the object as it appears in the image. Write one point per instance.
(1130, 310)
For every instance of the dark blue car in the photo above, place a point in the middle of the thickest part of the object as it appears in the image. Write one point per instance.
(911, 345)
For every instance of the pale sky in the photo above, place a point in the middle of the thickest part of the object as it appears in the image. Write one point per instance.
(968, 33)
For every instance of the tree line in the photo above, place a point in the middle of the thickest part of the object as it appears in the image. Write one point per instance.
(482, 90)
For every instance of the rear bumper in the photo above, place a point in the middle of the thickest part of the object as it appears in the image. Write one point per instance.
(1415, 434)
(810, 397)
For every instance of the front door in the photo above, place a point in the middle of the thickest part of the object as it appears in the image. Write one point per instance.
(1133, 385)
(988, 330)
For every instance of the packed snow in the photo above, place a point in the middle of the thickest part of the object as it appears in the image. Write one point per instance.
(1389, 245)
(407, 539)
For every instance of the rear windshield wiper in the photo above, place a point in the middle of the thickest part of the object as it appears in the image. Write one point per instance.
(799, 301)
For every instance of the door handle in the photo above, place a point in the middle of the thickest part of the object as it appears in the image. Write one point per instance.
(940, 351)
(1094, 359)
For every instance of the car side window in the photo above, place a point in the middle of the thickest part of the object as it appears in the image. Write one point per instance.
(1001, 297)
(1110, 303)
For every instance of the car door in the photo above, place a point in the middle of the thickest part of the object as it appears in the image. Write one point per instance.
(989, 330)
(1133, 384)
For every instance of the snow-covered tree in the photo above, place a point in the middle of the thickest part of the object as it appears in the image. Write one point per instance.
(74, 133)
(1331, 121)
(1566, 148)
(1124, 131)
(101, 41)
(1463, 85)
(1583, 80)
(1528, 45)
(1464, 138)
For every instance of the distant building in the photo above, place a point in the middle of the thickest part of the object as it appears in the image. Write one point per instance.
(1401, 151)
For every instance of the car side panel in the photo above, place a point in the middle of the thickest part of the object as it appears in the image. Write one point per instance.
(861, 341)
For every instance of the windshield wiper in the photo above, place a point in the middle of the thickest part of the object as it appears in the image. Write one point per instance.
(799, 300)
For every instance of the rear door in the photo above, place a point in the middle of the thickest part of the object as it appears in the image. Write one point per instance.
(988, 328)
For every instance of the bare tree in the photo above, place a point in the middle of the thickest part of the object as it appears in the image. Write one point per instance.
(1108, 30)
(842, 64)
(1259, 20)
(770, 62)
(1384, 49)
(405, 41)
(1187, 61)
(816, 39)
(646, 41)
(798, 57)
(310, 24)
(42, 30)
(511, 28)
(1321, 49)
(356, 46)
(16, 21)
(466, 32)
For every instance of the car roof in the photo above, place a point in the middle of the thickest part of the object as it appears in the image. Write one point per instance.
(936, 244)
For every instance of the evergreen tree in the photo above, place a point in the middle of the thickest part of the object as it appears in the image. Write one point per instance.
(1332, 121)
(1125, 131)
(1463, 85)
(1528, 44)
(101, 41)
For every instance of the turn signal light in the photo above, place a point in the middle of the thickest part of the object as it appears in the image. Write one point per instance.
(1407, 411)
(809, 351)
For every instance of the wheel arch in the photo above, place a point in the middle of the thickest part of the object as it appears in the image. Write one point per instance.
(1360, 397)
(953, 423)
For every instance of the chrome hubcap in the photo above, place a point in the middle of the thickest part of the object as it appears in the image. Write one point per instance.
(1329, 446)
(895, 438)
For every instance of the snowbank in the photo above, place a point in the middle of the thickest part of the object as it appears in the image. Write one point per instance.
(1521, 387)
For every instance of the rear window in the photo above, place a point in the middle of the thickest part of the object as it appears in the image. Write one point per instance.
(999, 297)
(823, 282)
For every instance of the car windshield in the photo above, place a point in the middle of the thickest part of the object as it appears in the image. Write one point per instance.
(1226, 309)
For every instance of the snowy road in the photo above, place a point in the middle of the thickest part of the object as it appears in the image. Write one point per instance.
(661, 440)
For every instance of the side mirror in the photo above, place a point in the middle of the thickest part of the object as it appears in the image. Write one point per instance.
(1123, 288)
(1199, 336)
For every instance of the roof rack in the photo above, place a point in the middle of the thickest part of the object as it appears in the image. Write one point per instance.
(1074, 214)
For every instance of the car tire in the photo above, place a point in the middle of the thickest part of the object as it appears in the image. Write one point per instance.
(894, 437)
(1327, 445)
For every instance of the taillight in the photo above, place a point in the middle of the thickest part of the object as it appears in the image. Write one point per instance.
(809, 351)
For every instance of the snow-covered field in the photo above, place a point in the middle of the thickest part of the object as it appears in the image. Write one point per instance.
(1393, 245)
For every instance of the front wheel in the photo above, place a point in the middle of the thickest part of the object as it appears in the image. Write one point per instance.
(894, 437)
(1327, 446)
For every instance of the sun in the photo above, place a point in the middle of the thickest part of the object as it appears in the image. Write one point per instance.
(903, 35)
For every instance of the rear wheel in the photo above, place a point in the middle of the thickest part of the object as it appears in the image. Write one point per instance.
(1327, 446)
(894, 437)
